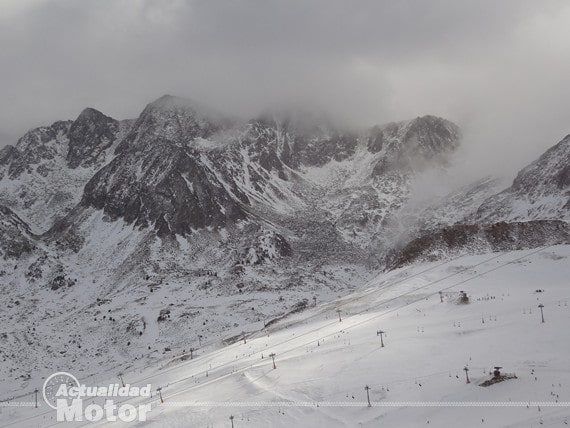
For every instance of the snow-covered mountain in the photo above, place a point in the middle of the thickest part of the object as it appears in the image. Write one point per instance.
(43, 175)
(540, 191)
(143, 233)
(478, 218)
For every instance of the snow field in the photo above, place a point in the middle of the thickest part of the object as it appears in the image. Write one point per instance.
(417, 379)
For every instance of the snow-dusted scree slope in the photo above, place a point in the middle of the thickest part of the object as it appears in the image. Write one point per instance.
(125, 243)
(416, 378)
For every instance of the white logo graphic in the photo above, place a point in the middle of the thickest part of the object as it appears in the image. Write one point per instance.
(63, 392)
(53, 384)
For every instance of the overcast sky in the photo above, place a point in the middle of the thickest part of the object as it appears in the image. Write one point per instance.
(498, 68)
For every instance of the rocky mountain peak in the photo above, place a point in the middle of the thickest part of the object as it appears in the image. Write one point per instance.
(540, 190)
(168, 102)
(432, 135)
(90, 114)
(36, 138)
(90, 135)
(175, 119)
(415, 144)
(40, 177)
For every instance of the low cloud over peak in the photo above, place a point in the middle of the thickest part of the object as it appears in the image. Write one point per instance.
(499, 69)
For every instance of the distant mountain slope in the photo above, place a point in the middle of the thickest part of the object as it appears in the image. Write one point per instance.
(540, 191)
(363, 195)
(458, 206)
(480, 239)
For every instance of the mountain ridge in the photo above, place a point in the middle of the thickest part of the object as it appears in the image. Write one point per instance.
(187, 213)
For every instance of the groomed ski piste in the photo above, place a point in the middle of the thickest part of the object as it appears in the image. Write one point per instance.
(327, 355)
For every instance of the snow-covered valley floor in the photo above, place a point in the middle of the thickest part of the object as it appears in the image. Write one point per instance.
(323, 365)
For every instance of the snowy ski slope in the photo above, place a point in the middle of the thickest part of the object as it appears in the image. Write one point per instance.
(416, 379)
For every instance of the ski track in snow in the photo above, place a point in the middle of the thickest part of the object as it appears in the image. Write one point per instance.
(428, 343)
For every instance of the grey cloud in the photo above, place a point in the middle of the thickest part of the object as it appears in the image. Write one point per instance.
(498, 68)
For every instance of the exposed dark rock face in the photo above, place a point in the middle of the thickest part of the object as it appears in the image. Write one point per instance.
(476, 239)
(431, 136)
(16, 237)
(338, 146)
(161, 179)
(300, 139)
(60, 281)
(265, 247)
(89, 136)
(165, 187)
(267, 146)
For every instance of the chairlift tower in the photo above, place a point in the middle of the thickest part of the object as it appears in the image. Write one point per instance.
(541, 313)
(367, 389)
(272, 355)
(380, 333)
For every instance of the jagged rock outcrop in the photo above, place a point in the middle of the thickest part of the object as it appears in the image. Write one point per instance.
(34, 148)
(160, 179)
(303, 138)
(43, 175)
(166, 188)
(266, 247)
(89, 136)
(17, 238)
